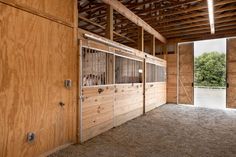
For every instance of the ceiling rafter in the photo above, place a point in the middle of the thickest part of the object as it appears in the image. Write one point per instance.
(172, 18)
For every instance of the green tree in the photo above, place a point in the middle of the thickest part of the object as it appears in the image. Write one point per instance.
(210, 69)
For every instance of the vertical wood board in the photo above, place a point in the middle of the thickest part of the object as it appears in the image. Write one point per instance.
(186, 78)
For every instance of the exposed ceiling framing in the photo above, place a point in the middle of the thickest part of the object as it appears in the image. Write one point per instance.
(174, 19)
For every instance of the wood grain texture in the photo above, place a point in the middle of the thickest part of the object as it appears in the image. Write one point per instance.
(36, 56)
(125, 99)
(172, 78)
(97, 110)
(231, 73)
(90, 43)
(155, 95)
(62, 9)
(123, 10)
(186, 73)
(128, 102)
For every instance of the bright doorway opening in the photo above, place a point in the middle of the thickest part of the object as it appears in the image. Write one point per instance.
(210, 73)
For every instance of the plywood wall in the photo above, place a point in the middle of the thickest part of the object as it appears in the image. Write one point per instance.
(36, 56)
(58, 9)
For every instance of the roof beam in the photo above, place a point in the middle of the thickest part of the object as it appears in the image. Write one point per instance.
(123, 10)
(198, 24)
(206, 30)
(104, 28)
(182, 17)
(205, 36)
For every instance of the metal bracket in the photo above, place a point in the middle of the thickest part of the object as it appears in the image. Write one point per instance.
(68, 84)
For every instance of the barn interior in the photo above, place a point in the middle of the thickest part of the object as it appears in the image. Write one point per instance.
(102, 78)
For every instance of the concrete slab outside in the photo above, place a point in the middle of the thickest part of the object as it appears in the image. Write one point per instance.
(210, 98)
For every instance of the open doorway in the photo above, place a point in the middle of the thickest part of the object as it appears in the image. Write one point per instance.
(210, 73)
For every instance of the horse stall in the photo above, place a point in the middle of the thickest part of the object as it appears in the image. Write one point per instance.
(110, 79)
(112, 85)
(128, 89)
(97, 92)
(155, 87)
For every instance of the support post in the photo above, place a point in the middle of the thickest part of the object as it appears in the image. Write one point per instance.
(153, 45)
(140, 39)
(109, 27)
(165, 51)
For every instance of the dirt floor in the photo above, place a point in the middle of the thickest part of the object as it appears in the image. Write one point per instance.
(168, 131)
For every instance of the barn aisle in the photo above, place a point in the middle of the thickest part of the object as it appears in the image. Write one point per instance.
(168, 131)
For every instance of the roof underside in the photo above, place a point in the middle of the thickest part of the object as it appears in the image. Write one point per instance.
(185, 20)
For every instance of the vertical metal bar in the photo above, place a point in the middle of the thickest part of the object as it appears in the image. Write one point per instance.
(144, 85)
(80, 92)
(193, 73)
(227, 71)
(177, 45)
(127, 73)
(114, 69)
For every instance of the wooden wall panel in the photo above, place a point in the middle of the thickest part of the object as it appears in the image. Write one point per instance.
(97, 110)
(231, 73)
(172, 78)
(128, 102)
(186, 73)
(60, 9)
(36, 56)
(155, 95)
(161, 90)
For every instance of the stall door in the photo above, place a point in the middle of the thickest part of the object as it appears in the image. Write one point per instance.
(185, 87)
(231, 73)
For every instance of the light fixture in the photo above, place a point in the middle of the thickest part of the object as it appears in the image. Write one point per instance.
(211, 15)
(140, 70)
(108, 42)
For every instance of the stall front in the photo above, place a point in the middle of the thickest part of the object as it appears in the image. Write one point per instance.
(155, 87)
(112, 83)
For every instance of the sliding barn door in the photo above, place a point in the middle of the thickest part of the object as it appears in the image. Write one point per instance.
(231, 73)
(186, 61)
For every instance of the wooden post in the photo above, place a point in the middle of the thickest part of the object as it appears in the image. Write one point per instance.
(144, 86)
(109, 27)
(153, 45)
(165, 51)
(123, 10)
(140, 39)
